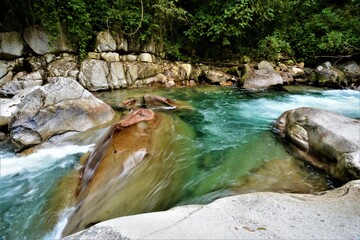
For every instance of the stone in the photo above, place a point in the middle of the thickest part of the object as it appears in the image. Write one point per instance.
(22, 81)
(332, 214)
(49, 57)
(104, 42)
(131, 58)
(117, 77)
(325, 139)
(11, 45)
(36, 63)
(297, 72)
(146, 70)
(170, 83)
(8, 106)
(188, 70)
(7, 78)
(39, 41)
(145, 57)
(110, 57)
(142, 139)
(351, 70)
(265, 65)
(94, 55)
(264, 78)
(139, 115)
(60, 107)
(131, 71)
(93, 75)
(215, 77)
(326, 75)
(121, 41)
(64, 67)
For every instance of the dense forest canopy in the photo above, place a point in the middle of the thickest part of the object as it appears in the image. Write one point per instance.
(191, 28)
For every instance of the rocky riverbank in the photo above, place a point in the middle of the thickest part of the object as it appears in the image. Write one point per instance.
(116, 63)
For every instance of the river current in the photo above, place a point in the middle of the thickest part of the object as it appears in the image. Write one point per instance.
(235, 153)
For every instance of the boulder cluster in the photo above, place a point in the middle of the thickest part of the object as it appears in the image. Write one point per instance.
(41, 78)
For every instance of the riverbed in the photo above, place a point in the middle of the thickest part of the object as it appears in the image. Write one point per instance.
(233, 151)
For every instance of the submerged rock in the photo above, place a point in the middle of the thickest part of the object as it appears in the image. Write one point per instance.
(133, 169)
(330, 215)
(59, 107)
(325, 139)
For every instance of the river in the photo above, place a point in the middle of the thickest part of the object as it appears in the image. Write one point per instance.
(235, 153)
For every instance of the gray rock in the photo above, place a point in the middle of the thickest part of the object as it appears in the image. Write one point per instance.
(145, 57)
(131, 58)
(62, 106)
(11, 45)
(264, 78)
(63, 67)
(324, 139)
(327, 75)
(22, 81)
(110, 57)
(216, 77)
(105, 42)
(265, 65)
(117, 77)
(8, 106)
(93, 74)
(39, 41)
(351, 70)
(330, 215)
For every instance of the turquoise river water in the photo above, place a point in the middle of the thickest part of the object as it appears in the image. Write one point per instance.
(235, 153)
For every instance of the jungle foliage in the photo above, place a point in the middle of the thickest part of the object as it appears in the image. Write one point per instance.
(271, 29)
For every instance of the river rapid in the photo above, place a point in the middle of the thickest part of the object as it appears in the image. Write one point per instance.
(233, 152)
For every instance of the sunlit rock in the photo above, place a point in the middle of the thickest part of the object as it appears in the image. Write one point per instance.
(263, 78)
(325, 139)
(60, 107)
(93, 74)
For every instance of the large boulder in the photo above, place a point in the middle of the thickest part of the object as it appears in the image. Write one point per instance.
(325, 139)
(122, 171)
(218, 77)
(93, 74)
(333, 214)
(327, 75)
(11, 45)
(59, 107)
(105, 42)
(264, 77)
(40, 42)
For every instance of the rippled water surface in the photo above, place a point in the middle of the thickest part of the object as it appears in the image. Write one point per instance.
(233, 151)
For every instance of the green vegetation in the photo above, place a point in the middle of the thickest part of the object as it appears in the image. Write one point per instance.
(272, 29)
